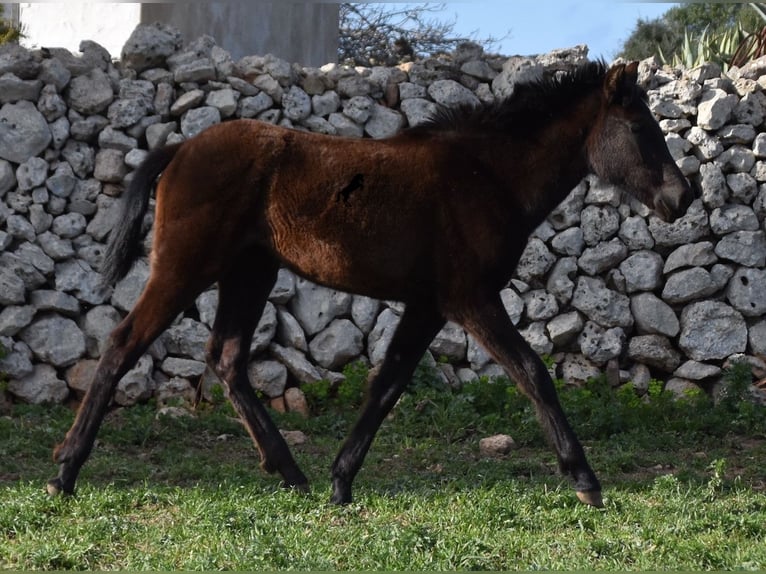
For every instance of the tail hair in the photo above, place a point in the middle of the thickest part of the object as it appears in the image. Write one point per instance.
(125, 240)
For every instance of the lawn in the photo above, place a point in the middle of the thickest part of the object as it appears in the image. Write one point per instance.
(684, 488)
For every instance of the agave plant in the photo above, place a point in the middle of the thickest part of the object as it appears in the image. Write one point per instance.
(729, 47)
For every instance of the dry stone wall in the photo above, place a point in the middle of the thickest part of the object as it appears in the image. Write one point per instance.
(603, 285)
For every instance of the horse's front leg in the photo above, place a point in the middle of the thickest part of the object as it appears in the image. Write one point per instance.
(417, 327)
(489, 323)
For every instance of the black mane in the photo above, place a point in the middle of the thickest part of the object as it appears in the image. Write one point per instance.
(530, 104)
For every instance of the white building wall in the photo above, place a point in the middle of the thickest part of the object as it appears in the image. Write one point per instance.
(66, 24)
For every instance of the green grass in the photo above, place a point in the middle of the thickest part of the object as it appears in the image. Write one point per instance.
(684, 486)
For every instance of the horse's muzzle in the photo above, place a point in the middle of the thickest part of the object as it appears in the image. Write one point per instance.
(675, 196)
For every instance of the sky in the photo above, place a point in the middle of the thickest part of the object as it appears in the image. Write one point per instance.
(545, 25)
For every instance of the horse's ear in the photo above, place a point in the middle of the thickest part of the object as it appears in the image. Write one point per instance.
(620, 83)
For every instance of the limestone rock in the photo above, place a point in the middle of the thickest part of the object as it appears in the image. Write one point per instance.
(711, 330)
(41, 386)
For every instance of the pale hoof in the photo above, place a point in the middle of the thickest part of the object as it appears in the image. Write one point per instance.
(53, 487)
(591, 497)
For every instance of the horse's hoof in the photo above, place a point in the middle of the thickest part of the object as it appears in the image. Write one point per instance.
(591, 497)
(56, 488)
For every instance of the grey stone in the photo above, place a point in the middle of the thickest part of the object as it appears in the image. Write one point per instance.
(113, 138)
(599, 223)
(476, 355)
(337, 345)
(297, 364)
(137, 384)
(681, 388)
(381, 335)
(97, 325)
(353, 86)
(126, 112)
(225, 100)
(284, 287)
(540, 305)
(564, 328)
(746, 291)
(110, 166)
(269, 377)
(602, 256)
(535, 335)
(711, 330)
(737, 158)
(418, 110)
(568, 212)
(157, 134)
(688, 285)
(186, 368)
(149, 45)
(713, 185)
(24, 270)
(91, 93)
(715, 108)
(198, 120)
(200, 70)
(186, 102)
(696, 371)
(55, 340)
(364, 311)
(561, 279)
(577, 370)
(19, 227)
(80, 156)
(62, 182)
(743, 187)
(326, 103)
(265, 330)
(289, 332)
(743, 247)
(600, 304)
(383, 122)
(599, 345)
(451, 94)
(41, 386)
(315, 307)
(17, 362)
(32, 173)
(536, 260)
(568, 242)
(756, 338)
(129, 288)
(692, 255)
(655, 351)
(319, 125)
(187, 339)
(653, 316)
(450, 342)
(687, 229)
(50, 300)
(35, 256)
(515, 70)
(53, 72)
(513, 303)
(731, 218)
(642, 271)
(24, 133)
(344, 126)
(296, 104)
(12, 288)
(720, 275)
(14, 318)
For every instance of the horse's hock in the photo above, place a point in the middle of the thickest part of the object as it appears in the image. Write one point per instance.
(603, 286)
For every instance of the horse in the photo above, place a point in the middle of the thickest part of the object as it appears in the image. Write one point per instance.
(435, 216)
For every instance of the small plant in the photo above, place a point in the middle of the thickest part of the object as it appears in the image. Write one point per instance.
(715, 484)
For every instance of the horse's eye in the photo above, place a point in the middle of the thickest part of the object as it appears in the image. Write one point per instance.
(635, 127)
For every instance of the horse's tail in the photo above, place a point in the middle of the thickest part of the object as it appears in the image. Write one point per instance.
(125, 240)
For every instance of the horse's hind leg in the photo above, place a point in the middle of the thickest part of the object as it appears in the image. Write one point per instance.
(242, 293)
(489, 323)
(162, 299)
(417, 327)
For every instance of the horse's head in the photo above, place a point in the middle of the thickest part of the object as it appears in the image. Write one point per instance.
(626, 147)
